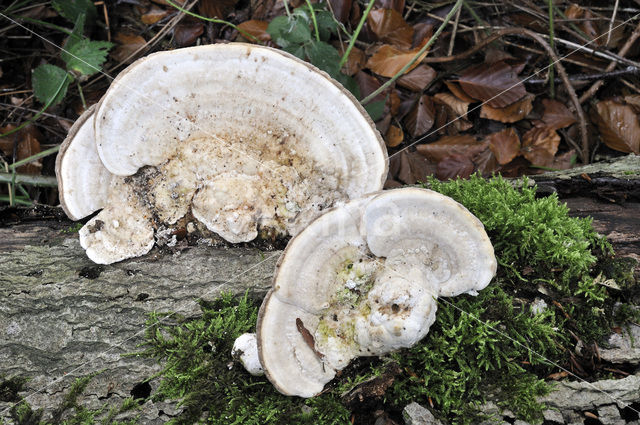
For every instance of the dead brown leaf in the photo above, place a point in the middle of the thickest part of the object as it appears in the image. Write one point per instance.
(26, 143)
(256, 28)
(420, 118)
(539, 146)
(165, 3)
(458, 92)
(153, 15)
(508, 114)
(368, 84)
(408, 168)
(388, 61)
(216, 8)
(463, 144)
(565, 160)
(459, 107)
(397, 5)
(486, 163)
(454, 166)
(394, 136)
(355, 61)
(496, 83)
(556, 115)
(634, 101)
(127, 44)
(586, 24)
(187, 31)
(418, 79)
(391, 28)
(341, 9)
(618, 125)
(505, 145)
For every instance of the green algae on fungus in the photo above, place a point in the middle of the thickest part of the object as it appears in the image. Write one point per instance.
(489, 346)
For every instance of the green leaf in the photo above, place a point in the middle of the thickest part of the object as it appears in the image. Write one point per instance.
(84, 56)
(287, 31)
(72, 9)
(375, 109)
(349, 83)
(50, 83)
(324, 56)
(327, 24)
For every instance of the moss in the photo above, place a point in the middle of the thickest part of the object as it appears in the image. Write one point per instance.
(489, 345)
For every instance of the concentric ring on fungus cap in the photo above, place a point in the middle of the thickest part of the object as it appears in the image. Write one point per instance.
(362, 280)
(242, 137)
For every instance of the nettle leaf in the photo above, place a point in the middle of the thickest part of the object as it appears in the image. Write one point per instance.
(84, 56)
(324, 56)
(287, 31)
(50, 83)
(72, 9)
(349, 83)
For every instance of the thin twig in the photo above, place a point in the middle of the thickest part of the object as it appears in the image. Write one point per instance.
(630, 70)
(623, 51)
(452, 42)
(613, 20)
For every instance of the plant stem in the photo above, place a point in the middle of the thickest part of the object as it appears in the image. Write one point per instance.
(552, 87)
(214, 20)
(12, 202)
(286, 8)
(32, 180)
(313, 19)
(415, 58)
(354, 37)
(84, 103)
(32, 158)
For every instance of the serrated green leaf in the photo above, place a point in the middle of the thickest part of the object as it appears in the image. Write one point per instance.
(50, 83)
(287, 31)
(296, 50)
(302, 13)
(375, 109)
(327, 25)
(72, 9)
(84, 56)
(324, 56)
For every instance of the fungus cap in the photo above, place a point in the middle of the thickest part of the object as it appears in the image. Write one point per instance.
(363, 279)
(83, 180)
(246, 138)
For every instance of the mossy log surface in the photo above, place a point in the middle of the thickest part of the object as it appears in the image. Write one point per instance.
(63, 317)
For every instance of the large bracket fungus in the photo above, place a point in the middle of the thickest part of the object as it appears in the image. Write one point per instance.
(363, 279)
(245, 138)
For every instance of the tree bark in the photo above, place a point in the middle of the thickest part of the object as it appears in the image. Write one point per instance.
(63, 317)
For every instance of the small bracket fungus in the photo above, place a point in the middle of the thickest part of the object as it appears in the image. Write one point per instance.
(362, 280)
(243, 138)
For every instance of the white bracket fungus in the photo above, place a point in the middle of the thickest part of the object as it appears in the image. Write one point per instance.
(362, 280)
(245, 349)
(245, 138)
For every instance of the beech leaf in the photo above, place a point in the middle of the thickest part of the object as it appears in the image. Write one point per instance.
(556, 115)
(496, 83)
(508, 114)
(454, 166)
(539, 145)
(420, 118)
(618, 126)
(417, 79)
(388, 61)
(256, 28)
(394, 136)
(505, 145)
(391, 28)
